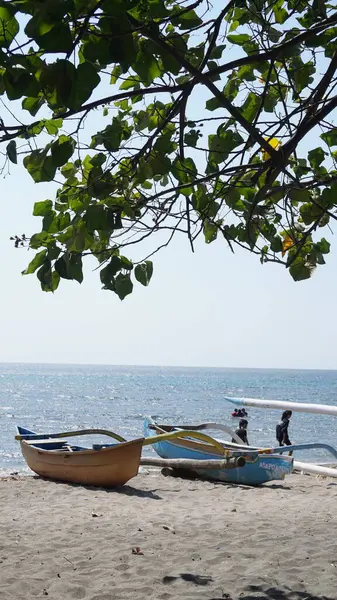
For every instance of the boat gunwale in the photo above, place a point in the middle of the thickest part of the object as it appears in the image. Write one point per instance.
(85, 451)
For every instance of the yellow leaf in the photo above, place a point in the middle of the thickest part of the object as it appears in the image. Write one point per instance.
(287, 243)
(274, 143)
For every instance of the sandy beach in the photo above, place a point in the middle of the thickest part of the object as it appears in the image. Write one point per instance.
(164, 538)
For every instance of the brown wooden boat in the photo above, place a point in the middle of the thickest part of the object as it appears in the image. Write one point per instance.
(103, 465)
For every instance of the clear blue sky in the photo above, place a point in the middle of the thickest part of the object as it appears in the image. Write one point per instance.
(212, 308)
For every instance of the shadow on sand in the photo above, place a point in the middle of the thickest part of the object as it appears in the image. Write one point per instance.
(253, 592)
(126, 490)
(189, 577)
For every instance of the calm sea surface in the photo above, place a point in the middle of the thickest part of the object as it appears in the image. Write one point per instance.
(52, 398)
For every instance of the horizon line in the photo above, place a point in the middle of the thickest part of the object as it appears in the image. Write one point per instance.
(160, 366)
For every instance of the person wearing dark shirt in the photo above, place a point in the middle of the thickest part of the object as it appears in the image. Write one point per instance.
(242, 432)
(282, 429)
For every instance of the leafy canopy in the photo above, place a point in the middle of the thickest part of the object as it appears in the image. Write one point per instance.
(165, 116)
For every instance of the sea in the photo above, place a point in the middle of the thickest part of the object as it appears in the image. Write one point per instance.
(53, 398)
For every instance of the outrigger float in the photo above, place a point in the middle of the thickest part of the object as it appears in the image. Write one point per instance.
(319, 409)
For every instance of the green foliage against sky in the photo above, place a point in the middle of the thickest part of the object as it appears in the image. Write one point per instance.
(155, 117)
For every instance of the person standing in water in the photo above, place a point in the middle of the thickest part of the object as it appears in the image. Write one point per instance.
(282, 429)
(242, 432)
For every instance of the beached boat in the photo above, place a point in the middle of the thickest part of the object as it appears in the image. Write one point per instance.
(108, 465)
(306, 407)
(261, 465)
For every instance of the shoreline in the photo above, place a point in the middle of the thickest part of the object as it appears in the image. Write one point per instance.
(195, 539)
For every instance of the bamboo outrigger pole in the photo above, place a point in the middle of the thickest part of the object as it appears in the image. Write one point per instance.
(320, 409)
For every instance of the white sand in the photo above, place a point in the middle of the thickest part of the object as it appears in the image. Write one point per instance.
(199, 540)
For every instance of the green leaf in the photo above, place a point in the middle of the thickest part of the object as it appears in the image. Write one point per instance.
(251, 107)
(9, 27)
(41, 239)
(42, 209)
(191, 138)
(57, 39)
(115, 74)
(33, 105)
(280, 13)
(53, 125)
(164, 144)
(123, 286)
(99, 218)
(40, 167)
(232, 86)
(217, 51)
(300, 195)
(19, 82)
(210, 231)
(49, 279)
(126, 263)
(86, 80)
(213, 104)
(299, 270)
(131, 82)
(276, 244)
(247, 73)
(310, 213)
(330, 137)
(323, 246)
(301, 168)
(222, 144)
(11, 151)
(107, 275)
(143, 272)
(184, 171)
(240, 39)
(159, 163)
(146, 67)
(62, 150)
(187, 20)
(110, 137)
(301, 73)
(69, 266)
(316, 157)
(272, 98)
(37, 262)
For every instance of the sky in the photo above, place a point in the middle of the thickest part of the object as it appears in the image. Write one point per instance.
(210, 308)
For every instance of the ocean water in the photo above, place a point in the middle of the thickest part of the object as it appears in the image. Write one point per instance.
(52, 398)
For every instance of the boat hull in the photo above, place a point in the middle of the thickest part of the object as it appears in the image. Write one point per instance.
(257, 470)
(108, 467)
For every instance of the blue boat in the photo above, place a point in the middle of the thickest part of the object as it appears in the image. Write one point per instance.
(261, 465)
